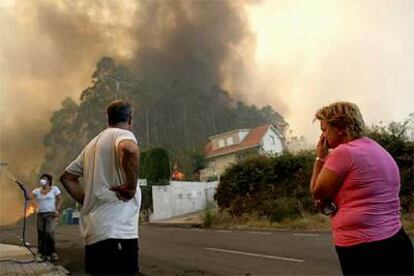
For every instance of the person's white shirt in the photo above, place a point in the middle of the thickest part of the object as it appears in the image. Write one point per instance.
(46, 202)
(103, 215)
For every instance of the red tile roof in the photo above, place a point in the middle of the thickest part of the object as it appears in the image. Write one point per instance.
(252, 139)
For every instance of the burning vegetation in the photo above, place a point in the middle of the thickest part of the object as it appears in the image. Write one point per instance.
(30, 210)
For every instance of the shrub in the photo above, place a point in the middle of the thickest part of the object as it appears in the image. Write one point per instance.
(208, 219)
(251, 186)
(155, 164)
(285, 208)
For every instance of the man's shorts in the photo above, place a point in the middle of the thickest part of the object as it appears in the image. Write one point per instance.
(112, 256)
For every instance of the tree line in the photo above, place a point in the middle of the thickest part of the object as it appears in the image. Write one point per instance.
(175, 115)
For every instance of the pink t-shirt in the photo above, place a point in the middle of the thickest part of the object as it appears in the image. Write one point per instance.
(368, 200)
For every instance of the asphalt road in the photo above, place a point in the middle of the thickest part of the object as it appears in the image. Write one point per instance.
(190, 251)
(224, 252)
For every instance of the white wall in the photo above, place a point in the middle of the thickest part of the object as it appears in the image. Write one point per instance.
(180, 198)
(267, 144)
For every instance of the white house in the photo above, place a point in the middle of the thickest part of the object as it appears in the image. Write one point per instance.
(226, 148)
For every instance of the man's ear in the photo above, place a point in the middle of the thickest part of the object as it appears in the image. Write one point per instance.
(130, 120)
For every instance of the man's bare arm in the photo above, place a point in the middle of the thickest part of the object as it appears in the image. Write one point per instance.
(72, 186)
(129, 158)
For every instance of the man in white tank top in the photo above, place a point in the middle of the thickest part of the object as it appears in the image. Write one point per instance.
(110, 199)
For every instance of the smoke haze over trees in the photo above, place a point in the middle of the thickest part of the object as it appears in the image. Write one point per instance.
(171, 114)
(51, 47)
(178, 58)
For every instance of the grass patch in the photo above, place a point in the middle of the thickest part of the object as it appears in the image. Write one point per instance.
(309, 222)
(209, 218)
(221, 220)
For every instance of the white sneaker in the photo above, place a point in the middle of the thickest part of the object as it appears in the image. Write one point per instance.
(54, 257)
(40, 258)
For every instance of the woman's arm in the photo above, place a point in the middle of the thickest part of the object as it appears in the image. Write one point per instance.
(30, 195)
(324, 182)
(58, 203)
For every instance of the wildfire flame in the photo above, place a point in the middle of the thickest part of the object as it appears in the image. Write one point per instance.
(177, 175)
(30, 210)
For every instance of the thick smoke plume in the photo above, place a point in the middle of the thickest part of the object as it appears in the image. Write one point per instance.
(203, 43)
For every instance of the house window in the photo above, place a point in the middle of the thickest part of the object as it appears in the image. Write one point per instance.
(229, 141)
(221, 143)
(272, 140)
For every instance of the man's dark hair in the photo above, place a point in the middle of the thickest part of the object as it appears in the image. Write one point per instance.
(49, 178)
(118, 111)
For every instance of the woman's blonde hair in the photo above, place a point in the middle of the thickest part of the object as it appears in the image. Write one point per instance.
(343, 115)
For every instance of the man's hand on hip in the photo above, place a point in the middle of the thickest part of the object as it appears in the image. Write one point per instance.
(124, 192)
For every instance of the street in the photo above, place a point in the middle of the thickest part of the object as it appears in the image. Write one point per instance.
(193, 251)
(223, 252)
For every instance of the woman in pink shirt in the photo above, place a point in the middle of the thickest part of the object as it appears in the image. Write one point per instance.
(359, 182)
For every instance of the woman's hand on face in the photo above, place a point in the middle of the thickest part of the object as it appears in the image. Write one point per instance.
(322, 147)
(319, 204)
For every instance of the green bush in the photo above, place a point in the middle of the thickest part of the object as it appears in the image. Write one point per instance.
(208, 219)
(285, 208)
(155, 165)
(251, 186)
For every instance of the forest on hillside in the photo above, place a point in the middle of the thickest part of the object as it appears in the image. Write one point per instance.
(172, 114)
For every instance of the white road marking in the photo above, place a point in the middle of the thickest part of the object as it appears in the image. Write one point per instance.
(305, 235)
(259, 233)
(196, 229)
(224, 231)
(256, 255)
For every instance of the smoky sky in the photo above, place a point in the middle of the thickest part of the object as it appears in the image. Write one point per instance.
(313, 53)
